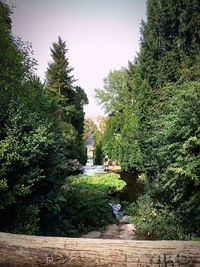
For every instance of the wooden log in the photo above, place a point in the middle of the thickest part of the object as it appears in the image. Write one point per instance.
(28, 251)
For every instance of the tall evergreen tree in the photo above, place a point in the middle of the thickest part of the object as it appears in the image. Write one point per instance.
(70, 99)
(170, 55)
(170, 40)
(157, 131)
(58, 74)
(11, 67)
(33, 152)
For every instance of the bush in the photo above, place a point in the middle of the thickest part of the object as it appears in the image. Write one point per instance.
(154, 221)
(81, 206)
(26, 221)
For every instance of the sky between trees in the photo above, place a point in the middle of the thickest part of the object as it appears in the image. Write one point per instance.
(100, 35)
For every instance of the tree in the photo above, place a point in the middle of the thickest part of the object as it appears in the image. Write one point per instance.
(115, 94)
(120, 141)
(169, 54)
(12, 70)
(58, 72)
(155, 128)
(169, 40)
(77, 119)
(69, 98)
(98, 131)
(33, 151)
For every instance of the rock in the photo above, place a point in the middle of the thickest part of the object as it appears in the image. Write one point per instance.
(126, 236)
(125, 219)
(128, 227)
(127, 231)
(73, 165)
(111, 229)
(93, 234)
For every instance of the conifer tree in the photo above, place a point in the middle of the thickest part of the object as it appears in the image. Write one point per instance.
(157, 132)
(170, 40)
(33, 152)
(169, 55)
(69, 98)
(58, 74)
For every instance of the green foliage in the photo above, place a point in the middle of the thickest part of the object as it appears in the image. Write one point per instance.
(103, 183)
(98, 154)
(156, 132)
(169, 115)
(26, 220)
(175, 147)
(121, 137)
(30, 143)
(82, 211)
(169, 40)
(97, 129)
(35, 142)
(155, 221)
(81, 206)
(115, 94)
(70, 99)
(58, 72)
(111, 139)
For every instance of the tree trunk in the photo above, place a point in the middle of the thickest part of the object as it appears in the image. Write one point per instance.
(23, 251)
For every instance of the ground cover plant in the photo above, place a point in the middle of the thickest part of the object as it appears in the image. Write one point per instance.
(104, 183)
(81, 205)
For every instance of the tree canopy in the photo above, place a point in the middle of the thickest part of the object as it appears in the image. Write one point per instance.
(37, 138)
(153, 128)
(153, 124)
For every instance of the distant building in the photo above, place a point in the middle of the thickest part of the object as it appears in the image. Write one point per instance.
(90, 151)
(89, 144)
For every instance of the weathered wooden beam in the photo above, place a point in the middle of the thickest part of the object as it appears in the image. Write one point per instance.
(28, 251)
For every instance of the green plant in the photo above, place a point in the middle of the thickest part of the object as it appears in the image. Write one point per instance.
(155, 221)
(81, 205)
(105, 183)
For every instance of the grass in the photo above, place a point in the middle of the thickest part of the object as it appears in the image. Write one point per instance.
(106, 183)
(87, 201)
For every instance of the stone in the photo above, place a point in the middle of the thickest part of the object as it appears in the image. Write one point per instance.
(111, 230)
(112, 227)
(73, 165)
(93, 234)
(126, 236)
(125, 219)
(128, 227)
(65, 187)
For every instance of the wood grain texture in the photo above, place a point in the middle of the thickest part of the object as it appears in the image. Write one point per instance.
(25, 251)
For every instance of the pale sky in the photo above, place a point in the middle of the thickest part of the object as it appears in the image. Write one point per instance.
(101, 35)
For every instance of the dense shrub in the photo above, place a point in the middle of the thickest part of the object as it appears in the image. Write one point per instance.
(81, 205)
(35, 142)
(155, 221)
